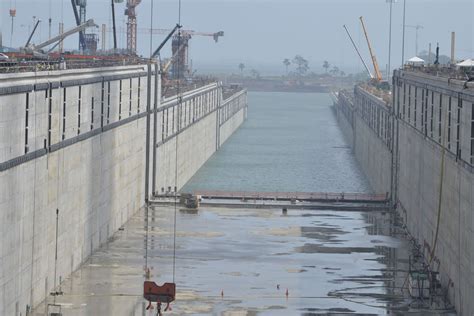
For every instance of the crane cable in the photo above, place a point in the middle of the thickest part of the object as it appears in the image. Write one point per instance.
(179, 102)
(440, 196)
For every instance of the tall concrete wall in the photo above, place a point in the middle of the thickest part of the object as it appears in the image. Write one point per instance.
(436, 113)
(430, 117)
(358, 116)
(74, 141)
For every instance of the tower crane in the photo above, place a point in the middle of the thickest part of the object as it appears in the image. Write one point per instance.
(87, 42)
(191, 33)
(378, 74)
(132, 25)
(180, 47)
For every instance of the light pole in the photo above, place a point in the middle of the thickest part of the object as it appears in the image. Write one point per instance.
(403, 36)
(416, 27)
(390, 39)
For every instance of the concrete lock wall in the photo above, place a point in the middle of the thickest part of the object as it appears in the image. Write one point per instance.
(74, 141)
(427, 114)
(366, 123)
(435, 113)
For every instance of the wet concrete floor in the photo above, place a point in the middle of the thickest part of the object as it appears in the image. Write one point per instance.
(333, 262)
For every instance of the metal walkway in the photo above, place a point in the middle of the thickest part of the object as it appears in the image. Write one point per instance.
(285, 200)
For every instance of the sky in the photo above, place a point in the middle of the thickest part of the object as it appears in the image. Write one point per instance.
(261, 33)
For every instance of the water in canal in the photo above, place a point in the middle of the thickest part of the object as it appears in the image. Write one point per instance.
(290, 142)
(245, 261)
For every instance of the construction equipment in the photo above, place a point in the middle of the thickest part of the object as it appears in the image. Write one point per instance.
(32, 33)
(191, 33)
(32, 49)
(378, 74)
(87, 42)
(132, 25)
(180, 48)
(171, 33)
(358, 53)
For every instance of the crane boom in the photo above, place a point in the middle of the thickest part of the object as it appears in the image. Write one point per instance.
(215, 35)
(378, 74)
(62, 36)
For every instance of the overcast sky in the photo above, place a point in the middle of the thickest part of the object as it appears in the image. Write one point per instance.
(261, 33)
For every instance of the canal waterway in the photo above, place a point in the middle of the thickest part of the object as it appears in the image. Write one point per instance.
(255, 261)
(290, 142)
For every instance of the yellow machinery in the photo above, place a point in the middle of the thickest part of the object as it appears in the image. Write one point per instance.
(378, 74)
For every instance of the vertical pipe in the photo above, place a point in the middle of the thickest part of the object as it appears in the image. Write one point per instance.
(403, 35)
(11, 35)
(104, 34)
(390, 42)
(453, 46)
(157, 99)
(429, 54)
(147, 138)
(61, 43)
(151, 28)
(56, 252)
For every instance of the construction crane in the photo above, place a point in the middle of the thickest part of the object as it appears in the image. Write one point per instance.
(132, 25)
(36, 49)
(191, 33)
(378, 74)
(180, 48)
(416, 27)
(87, 42)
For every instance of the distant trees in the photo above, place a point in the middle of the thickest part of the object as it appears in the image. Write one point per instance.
(287, 63)
(302, 65)
(335, 71)
(255, 73)
(241, 67)
(326, 65)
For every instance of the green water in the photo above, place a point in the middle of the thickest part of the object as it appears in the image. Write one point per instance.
(290, 142)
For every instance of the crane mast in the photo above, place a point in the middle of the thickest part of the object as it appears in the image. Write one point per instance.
(378, 74)
(132, 25)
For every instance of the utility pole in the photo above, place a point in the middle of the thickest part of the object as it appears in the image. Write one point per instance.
(403, 36)
(103, 42)
(50, 20)
(13, 15)
(61, 44)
